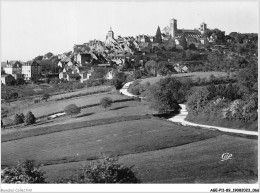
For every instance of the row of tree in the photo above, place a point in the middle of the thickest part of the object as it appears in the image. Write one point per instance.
(28, 119)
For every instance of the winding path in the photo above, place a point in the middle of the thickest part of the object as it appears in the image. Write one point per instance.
(180, 118)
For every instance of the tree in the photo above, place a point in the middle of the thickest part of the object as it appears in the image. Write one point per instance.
(137, 61)
(164, 68)
(221, 38)
(72, 109)
(20, 81)
(197, 101)
(151, 66)
(23, 173)
(120, 75)
(165, 95)
(192, 47)
(158, 36)
(106, 102)
(136, 88)
(48, 55)
(45, 97)
(18, 119)
(9, 80)
(247, 78)
(98, 73)
(137, 74)
(183, 41)
(117, 83)
(22, 117)
(207, 33)
(30, 118)
(2, 71)
(38, 58)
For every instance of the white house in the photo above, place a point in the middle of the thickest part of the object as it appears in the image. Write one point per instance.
(14, 68)
(31, 70)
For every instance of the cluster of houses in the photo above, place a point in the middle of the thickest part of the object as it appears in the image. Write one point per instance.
(14, 70)
(75, 65)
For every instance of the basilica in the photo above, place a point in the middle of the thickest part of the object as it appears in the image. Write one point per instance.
(193, 35)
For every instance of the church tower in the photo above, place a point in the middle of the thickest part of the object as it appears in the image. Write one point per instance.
(110, 34)
(173, 27)
(203, 27)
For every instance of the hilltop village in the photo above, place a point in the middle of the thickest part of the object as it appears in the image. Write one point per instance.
(122, 54)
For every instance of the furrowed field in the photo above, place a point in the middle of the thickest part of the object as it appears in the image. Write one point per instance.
(161, 151)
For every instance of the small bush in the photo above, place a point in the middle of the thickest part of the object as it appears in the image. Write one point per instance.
(18, 119)
(106, 102)
(45, 97)
(72, 109)
(23, 173)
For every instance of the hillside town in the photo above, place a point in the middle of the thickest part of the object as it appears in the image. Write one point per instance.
(120, 54)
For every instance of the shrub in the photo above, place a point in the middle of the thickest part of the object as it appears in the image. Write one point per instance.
(45, 97)
(164, 68)
(18, 119)
(136, 88)
(137, 74)
(107, 170)
(23, 173)
(30, 118)
(106, 102)
(72, 109)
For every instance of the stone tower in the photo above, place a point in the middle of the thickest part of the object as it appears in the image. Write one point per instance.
(203, 27)
(110, 34)
(173, 27)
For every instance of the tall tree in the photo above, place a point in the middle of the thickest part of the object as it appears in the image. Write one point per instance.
(165, 95)
(158, 36)
(30, 118)
(183, 41)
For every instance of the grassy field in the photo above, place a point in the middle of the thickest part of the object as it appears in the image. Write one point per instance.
(197, 162)
(235, 124)
(192, 75)
(88, 142)
(81, 92)
(55, 106)
(127, 108)
(24, 104)
(162, 152)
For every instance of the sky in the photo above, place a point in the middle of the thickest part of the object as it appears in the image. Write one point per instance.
(32, 28)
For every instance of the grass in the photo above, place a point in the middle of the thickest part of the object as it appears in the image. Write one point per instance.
(52, 107)
(81, 92)
(88, 141)
(232, 124)
(29, 103)
(161, 151)
(192, 75)
(123, 107)
(197, 162)
(70, 126)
